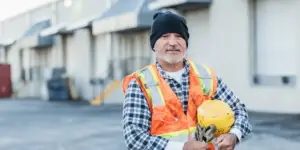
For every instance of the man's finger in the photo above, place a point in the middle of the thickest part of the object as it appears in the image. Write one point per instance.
(219, 139)
(222, 145)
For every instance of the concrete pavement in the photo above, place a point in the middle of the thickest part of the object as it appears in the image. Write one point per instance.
(40, 125)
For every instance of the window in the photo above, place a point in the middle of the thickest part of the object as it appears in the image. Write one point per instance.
(276, 43)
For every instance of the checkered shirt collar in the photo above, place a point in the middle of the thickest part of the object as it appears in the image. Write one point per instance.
(163, 73)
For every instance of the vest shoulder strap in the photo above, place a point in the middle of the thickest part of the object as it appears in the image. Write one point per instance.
(126, 81)
(141, 81)
(150, 81)
(206, 77)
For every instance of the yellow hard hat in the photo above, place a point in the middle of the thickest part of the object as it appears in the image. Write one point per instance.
(218, 113)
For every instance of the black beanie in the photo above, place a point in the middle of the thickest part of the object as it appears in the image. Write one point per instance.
(168, 22)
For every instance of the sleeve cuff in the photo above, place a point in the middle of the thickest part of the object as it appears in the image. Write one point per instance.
(174, 145)
(236, 132)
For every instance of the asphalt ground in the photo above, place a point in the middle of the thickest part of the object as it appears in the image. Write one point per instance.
(43, 125)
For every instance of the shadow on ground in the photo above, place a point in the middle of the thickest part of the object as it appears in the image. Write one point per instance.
(40, 125)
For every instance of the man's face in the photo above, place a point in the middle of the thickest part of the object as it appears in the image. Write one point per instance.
(170, 47)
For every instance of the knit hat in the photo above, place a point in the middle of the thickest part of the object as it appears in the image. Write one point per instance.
(168, 22)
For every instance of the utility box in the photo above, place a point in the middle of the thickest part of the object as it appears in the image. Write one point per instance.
(5, 81)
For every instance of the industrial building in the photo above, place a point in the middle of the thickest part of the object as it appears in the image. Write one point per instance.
(251, 44)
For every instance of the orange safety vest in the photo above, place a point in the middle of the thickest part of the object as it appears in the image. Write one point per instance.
(168, 118)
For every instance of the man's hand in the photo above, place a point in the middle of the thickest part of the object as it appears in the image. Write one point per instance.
(195, 145)
(226, 142)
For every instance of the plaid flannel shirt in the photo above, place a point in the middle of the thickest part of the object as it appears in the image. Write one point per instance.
(137, 116)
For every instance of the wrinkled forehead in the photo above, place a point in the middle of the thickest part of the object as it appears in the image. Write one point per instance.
(171, 34)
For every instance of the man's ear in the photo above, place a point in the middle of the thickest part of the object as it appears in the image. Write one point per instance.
(153, 48)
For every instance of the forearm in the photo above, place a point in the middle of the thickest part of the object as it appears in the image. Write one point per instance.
(137, 139)
(241, 121)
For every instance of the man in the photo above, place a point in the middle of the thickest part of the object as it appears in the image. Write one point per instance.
(159, 111)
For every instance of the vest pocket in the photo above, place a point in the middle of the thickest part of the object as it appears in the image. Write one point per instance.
(162, 115)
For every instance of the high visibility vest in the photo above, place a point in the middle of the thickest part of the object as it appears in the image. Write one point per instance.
(168, 118)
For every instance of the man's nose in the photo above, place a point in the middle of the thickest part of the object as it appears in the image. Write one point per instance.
(172, 40)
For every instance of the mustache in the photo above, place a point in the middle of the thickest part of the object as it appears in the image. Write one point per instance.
(173, 49)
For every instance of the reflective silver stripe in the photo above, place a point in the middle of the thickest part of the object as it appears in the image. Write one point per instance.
(181, 138)
(206, 78)
(152, 85)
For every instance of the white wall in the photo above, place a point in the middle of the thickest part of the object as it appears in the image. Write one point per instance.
(41, 13)
(102, 54)
(56, 52)
(134, 47)
(79, 9)
(13, 59)
(102, 58)
(199, 29)
(2, 55)
(277, 38)
(14, 27)
(229, 50)
(78, 61)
